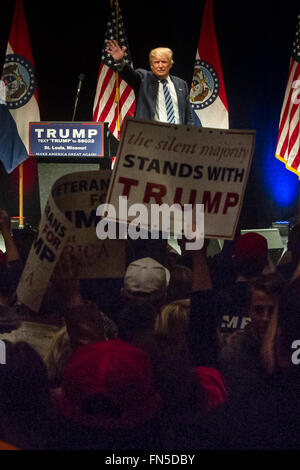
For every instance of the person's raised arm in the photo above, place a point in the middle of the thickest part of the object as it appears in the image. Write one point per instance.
(12, 253)
(66, 282)
(117, 52)
(203, 330)
(201, 274)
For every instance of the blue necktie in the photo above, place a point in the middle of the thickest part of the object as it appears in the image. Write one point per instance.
(169, 103)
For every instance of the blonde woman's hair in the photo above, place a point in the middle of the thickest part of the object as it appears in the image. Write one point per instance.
(165, 50)
(58, 354)
(173, 320)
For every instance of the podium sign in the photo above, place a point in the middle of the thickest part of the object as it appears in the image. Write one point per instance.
(80, 140)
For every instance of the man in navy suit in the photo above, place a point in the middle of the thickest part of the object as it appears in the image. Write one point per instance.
(148, 85)
(151, 105)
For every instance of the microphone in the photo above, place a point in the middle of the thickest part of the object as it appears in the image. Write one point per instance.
(80, 78)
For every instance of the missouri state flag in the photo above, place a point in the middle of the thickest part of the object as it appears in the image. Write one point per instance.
(207, 94)
(18, 94)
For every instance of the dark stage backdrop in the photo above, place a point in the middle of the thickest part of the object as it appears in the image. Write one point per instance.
(255, 40)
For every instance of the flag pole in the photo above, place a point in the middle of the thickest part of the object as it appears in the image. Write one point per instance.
(117, 96)
(21, 218)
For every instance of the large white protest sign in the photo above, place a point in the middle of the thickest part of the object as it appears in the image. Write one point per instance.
(168, 164)
(68, 225)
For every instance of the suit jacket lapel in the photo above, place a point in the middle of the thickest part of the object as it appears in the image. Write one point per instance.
(153, 91)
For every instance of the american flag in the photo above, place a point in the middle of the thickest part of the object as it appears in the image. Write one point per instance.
(288, 143)
(114, 98)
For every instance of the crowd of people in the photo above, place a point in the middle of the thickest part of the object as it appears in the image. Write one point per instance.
(185, 351)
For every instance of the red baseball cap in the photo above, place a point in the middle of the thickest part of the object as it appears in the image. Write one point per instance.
(116, 370)
(251, 247)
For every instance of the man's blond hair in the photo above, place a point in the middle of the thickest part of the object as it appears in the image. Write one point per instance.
(161, 50)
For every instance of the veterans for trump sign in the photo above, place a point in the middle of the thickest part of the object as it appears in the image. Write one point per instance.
(77, 195)
(68, 227)
(43, 256)
(163, 164)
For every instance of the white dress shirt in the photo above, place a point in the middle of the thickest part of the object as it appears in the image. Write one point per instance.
(161, 112)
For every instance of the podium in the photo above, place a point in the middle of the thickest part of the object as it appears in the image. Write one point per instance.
(61, 148)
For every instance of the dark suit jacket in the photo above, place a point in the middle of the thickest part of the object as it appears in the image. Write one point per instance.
(145, 86)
